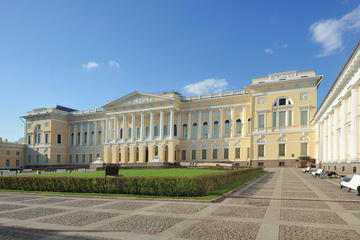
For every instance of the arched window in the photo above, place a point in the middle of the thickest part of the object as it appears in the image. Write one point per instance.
(194, 130)
(185, 131)
(99, 138)
(227, 128)
(216, 129)
(205, 129)
(238, 126)
(283, 101)
(175, 130)
(38, 127)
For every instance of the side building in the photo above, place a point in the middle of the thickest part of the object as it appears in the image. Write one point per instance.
(265, 125)
(337, 121)
(12, 155)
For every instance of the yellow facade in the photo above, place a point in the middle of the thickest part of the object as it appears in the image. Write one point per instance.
(217, 127)
(12, 155)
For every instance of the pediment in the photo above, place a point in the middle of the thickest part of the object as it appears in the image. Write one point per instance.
(135, 98)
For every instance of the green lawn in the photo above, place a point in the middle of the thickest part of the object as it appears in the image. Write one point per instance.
(172, 172)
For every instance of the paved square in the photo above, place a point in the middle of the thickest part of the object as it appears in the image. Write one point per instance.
(206, 230)
(45, 201)
(83, 203)
(143, 224)
(31, 213)
(249, 201)
(7, 207)
(241, 212)
(304, 204)
(126, 205)
(310, 216)
(79, 218)
(179, 208)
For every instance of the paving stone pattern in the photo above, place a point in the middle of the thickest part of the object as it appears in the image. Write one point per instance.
(284, 204)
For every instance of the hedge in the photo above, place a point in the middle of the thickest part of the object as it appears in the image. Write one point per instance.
(156, 186)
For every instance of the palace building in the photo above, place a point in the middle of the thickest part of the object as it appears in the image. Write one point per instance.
(268, 124)
(12, 155)
(337, 121)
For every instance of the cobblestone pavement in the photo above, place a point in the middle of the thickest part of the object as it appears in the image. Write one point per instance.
(284, 204)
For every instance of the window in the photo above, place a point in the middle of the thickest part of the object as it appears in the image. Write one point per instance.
(261, 100)
(46, 158)
(238, 126)
(59, 138)
(216, 129)
(77, 158)
(92, 139)
(85, 138)
(304, 96)
(185, 132)
(274, 119)
(70, 158)
(261, 121)
(72, 139)
(46, 138)
(29, 139)
(156, 131)
(303, 150)
(248, 125)
(227, 128)
(175, 130)
(78, 138)
(335, 168)
(7, 163)
(289, 118)
(17, 163)
(58, 158)
(281, 149)
(205, 129)
(37, 158)
(261, 150)
(282, 102)
(282, 118)
(90, 157)
(194, 130)
(165, 130)
(129, 133)
(121, 133)
(237, 152)
(304, 117)
(214, 154)
(83, 158)
(343, 168)
(38, 127)
(99, 138)
(138, 132)
(203, 154)
(226, 153)
(193, 154)
(147, 131)
(281, 164)
(183, 155)
(260, 164)
(17, 153)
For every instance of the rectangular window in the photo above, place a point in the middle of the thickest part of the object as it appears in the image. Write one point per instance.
(261, 150)
(304, 117)
(226, 153)
(129, 133)
(183, 155)
(165, 130)
(90, 157)
(215, 154)
(29, 159)
(58, 158)
(99, 138)
(83, 158)
(282, 118)
(7, 163)
(17, 163)
(281, 164)
(59, 138)
(203, 154)
(156, 131)
(138, 132)
(147, 131)
(77, 158)
(303, 151)
(17, 153)
(29, 139)
(78, 139)
(261, 121)
(281, 149)
(185, 132)
(70, 158)
(289, 118)
(237, 152)
(260, 164)
(274, 119)
(193, 154)
(37, 158)
(46, 138)
(85, 138)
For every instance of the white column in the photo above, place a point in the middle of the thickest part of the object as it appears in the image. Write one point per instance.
(103, 131)
(81, 134)
(221, 123)
(88, 134)
(142, 126)
(95, 134)
(124, 128)
(115, 129)
(189, 126)
(232, 122)
(354, 128)
(243, 122)
(199, 125)
(151, 125)
(319, 141)
(132, 127)
(75, 134)
(171, 123)
(343, 130)
(179, 127)
(161, 127)
(210, 124)
(324, 160)
(329, 141)
(335, 135)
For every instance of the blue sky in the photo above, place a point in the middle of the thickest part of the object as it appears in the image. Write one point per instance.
(81, 54)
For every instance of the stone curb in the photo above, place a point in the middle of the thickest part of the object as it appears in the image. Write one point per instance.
(215, 200)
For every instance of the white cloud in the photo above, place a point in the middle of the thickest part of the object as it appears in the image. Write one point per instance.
(284, 45)
(210, 85)
(329, 32)
(268, 51)
(113, 63)
(90, 65)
